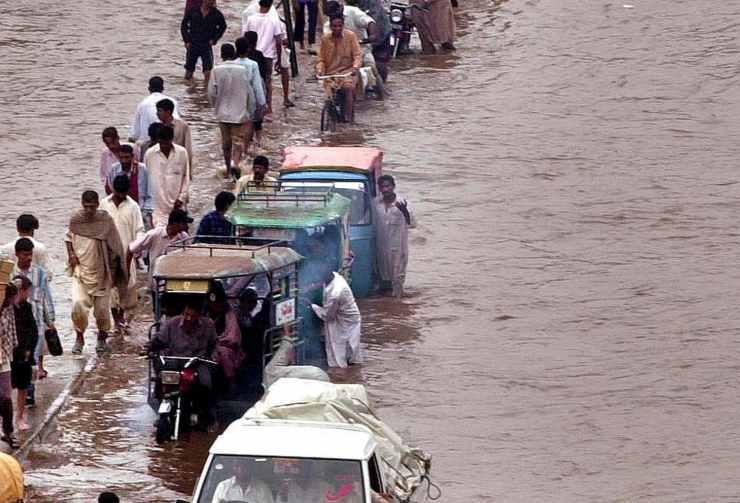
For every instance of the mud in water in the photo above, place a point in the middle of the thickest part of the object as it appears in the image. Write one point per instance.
(570, 331)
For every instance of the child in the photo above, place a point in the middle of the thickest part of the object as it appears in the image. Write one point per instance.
(23, 361)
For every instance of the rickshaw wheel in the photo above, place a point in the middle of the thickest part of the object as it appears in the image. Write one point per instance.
(328, 117)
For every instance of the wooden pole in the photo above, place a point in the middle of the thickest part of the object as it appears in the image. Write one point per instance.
(288, 13)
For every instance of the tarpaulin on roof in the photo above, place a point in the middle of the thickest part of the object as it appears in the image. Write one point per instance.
(404, 467)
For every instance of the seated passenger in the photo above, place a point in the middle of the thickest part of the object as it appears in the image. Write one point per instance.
(243, 486)
(229, 353)
(302, 487)
(254, 319)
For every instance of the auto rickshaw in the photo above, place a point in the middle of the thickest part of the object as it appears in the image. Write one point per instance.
(314, 221)
(353, 172)
(188, 270)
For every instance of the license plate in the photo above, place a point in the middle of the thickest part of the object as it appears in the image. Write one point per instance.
(170, 377)
(393, 40)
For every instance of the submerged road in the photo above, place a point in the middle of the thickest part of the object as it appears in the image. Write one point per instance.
(570, 332)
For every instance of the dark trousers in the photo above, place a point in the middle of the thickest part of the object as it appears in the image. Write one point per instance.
(6, 403)
(300, 21)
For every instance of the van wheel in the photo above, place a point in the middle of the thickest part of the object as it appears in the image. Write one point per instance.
(164, 429)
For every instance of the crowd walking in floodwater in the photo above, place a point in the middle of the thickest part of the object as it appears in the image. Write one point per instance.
(141, 206)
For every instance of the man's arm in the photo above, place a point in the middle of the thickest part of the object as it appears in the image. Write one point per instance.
(259, 92)
(185, 28)
(356, 53)
(49, 315)
(321, 59)
(189, 147)
(134, 133)
(184, 182)
(72, 259)
(213, 88)
(220, 28)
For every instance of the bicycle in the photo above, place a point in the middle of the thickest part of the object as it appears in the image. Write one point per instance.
(334, 106)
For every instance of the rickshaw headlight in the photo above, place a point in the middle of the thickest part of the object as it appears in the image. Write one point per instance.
(396, 15)
(170, 377)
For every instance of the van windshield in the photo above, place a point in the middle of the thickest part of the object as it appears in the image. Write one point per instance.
(292, 480)
(354, 191)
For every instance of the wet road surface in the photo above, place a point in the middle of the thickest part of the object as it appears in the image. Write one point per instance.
(570, 331)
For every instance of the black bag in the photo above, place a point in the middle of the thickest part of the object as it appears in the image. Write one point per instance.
(53, 342)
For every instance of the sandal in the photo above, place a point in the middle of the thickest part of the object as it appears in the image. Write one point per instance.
(43, 374)
(287, 103)
(77, 348)
(102, 347)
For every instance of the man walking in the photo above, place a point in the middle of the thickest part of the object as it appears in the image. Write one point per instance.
(140, 186)
(342, 322)
(96, 263)
(168, 170)
(258, 177)
(201, 28)
(41, 302)
(146, 111)
(392, 223)
(111, 152)
(269, 36)
(126, 215)
(232, 91)
(215, 225)
(26, 225)
(165, 111)
(256, 88)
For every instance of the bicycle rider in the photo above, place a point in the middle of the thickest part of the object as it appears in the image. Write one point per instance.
(339, 54)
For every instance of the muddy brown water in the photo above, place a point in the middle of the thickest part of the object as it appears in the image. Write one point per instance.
(570, 332)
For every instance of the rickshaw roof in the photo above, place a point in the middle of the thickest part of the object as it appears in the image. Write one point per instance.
(202, 261)
(266, 211)
(358, 159)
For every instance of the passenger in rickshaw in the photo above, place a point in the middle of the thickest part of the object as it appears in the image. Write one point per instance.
(302, 486)
(254, 320)
(243, 485)
(228, 354)
(191, 335)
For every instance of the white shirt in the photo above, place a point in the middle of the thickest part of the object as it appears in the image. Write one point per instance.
(40, 254)
(231, 92)
(267, 28)
(146, 114)
(130, 224)
(356, 20)
(169, 178)
(229, 490)
(254, 8)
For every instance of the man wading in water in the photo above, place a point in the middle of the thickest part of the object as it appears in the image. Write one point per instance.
(95, 263)
(393, 221)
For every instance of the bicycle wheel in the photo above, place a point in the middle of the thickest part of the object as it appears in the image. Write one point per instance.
(328, 117)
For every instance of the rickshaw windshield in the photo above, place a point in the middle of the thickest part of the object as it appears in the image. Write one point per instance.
(354, 191)
(266, 479)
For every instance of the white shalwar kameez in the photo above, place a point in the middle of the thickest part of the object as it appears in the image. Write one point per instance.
(392, 242)
(342, 323)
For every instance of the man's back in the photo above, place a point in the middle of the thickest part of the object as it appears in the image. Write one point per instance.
(267, 29)
(228, 91)
(146, 114)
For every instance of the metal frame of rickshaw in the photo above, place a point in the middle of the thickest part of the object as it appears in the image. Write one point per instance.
(320, 197)
(268, 340)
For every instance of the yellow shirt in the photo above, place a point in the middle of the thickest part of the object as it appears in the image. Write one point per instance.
(339, 55)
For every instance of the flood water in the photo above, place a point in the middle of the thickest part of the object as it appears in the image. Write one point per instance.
(570, 332)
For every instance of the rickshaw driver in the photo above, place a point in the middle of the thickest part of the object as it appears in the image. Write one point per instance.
(189, 335)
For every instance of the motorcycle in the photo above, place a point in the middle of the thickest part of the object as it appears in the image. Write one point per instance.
(176, 379)
(401, 27)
